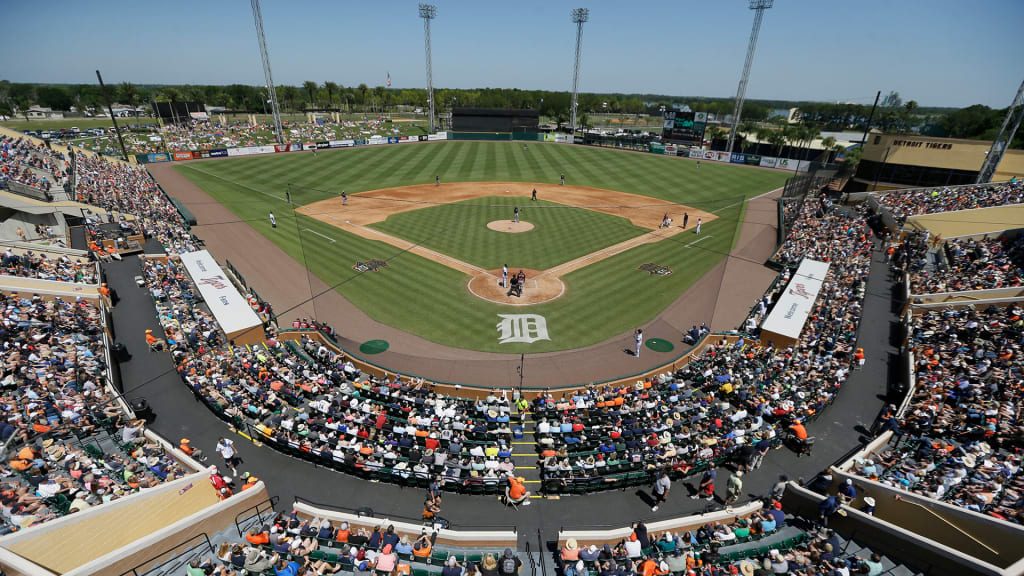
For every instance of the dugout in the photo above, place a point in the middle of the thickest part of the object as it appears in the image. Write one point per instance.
(495, 120)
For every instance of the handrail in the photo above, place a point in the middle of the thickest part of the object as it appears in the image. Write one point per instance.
(372, 514)
(273, 500)
(533, 562)
(950, 523)
(543, 564)
(134, 571)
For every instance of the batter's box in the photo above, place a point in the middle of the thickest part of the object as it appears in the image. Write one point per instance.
(655, 269)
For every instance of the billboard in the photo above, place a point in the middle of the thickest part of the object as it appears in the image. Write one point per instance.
(219, 152)
(671, 150)
(752, 159)
(786, 164)
(768, 161)
(287, 147)
(182, 155)
(438, 136)
(684, 127)
(158, 157)
(738, 159)
(657, 148)
(696, 153)
(722, 156)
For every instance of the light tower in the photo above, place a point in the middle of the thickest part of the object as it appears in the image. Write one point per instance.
(579, 16)
(1002, 141)
(271, 91)
(758, 6)
(428, 12)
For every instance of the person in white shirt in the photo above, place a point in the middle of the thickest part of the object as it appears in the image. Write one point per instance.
(226, 447)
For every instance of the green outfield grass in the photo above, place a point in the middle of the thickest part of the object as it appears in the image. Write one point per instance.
(560, 233)
(431, 300)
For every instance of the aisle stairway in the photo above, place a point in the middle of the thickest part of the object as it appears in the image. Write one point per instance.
(525, 457)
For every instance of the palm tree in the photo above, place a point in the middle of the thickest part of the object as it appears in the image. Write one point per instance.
(809, 132)
(331, 88)
(777, 139)
(561, 117)
(829, 144)
(129, 94)
(310, 87)
(362, 90)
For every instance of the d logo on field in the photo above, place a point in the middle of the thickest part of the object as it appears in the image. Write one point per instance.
(655, 269)
(525, 328)
(370, 265)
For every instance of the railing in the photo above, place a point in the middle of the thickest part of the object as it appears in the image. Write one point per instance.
(543, 564)
(369, 513)
(259, 514)
(175, 563)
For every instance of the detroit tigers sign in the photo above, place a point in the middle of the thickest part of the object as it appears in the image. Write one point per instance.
(523, 328)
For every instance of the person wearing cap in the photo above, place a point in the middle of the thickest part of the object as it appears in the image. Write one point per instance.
(186, 446)
(590, 554)
(249, 480)
(509, 564)
(847, 490)
(650, 567)
(869, 506)
(516, 491)
(826, 508)
(152, 341)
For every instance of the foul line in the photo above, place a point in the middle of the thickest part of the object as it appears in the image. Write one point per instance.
(319, 234)
(415, 248)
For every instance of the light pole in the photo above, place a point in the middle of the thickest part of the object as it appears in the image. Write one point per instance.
(759, 6)
(579, 16)
(428, 12)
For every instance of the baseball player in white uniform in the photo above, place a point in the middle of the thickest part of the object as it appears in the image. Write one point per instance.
(504, 276)
(273, 221)
(639, 338)
(698, 226)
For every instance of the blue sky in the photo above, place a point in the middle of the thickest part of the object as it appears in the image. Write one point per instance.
(940, 52)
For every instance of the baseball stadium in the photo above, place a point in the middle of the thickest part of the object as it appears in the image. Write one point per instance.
(468, 341)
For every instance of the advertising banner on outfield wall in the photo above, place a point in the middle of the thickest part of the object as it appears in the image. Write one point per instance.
(671, 150)
(657, 148)
(147, 158)
(287, 147)
(342, 143)
(722, 156)
(182, 155)
(710, 154)
(768, 161)
(393, 140)
(548, 137)
(738, 159)
(323, 145)
(438, 136)
(696, 153)
(247, 150)
(786, 164)
(752, 160)
(219, 152)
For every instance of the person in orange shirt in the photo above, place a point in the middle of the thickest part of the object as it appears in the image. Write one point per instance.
(517, 493)
(186, 447)
(250, 481)
(650, 567)
(256, 537)
(152, 341)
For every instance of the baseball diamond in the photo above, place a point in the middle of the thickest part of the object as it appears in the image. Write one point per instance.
(588, 235)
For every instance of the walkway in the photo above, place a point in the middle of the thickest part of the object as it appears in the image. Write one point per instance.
(151, 375)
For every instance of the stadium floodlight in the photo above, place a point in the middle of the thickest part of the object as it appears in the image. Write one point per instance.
(1011, 123)
(428, 12)
(257, 15)
(579, 16)
(758, 6)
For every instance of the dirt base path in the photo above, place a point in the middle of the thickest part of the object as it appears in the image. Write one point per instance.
(538, 289)
(366, 208)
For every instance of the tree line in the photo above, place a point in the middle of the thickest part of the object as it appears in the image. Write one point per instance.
(894, 115)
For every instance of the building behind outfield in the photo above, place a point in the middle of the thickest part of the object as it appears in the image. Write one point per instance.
(495, 120)
(901, 161)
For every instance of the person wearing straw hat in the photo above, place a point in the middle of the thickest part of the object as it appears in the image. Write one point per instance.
(869, 506)
(571, 551)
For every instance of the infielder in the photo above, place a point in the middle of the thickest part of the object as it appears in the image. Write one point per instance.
(437, 180)
(686, 218)
(515, 215)
(698, 226)
(534, 197)
(273, 221)
(639, 338)
(504, 275)
(344, 198)
(563, 179)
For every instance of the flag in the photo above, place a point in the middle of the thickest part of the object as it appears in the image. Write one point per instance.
(389, 80)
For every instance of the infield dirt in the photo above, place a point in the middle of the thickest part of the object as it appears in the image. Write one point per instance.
(374, 206)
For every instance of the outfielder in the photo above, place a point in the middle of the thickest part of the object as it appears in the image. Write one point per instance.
(686, 219)
(273, 221)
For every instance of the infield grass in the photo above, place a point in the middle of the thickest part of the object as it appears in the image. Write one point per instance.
(430, 300)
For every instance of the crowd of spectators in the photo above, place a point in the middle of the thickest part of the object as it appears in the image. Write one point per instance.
(206, 135)
(702, 552)
(28, 163)
(968, 264)
(289, 545)
(55, 403)
(961, 436)
(28, 264)
(732, 401)
(902, 204)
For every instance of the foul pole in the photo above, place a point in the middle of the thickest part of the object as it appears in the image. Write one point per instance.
(428, 12)
(758, 6)
(579, 16)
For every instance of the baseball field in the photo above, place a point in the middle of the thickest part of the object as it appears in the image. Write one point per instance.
(426, 258)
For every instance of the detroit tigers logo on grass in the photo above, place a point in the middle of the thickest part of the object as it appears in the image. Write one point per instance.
(525, 328)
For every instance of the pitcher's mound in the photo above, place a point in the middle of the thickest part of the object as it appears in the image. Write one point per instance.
(487, 286)
(509, 226)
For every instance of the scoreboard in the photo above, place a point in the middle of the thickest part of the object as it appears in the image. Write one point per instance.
(684, 127)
